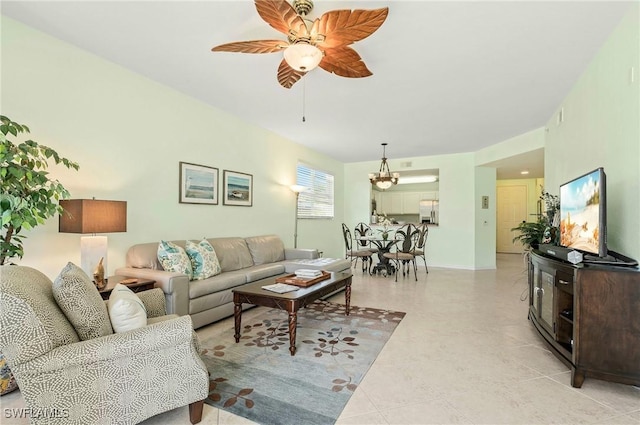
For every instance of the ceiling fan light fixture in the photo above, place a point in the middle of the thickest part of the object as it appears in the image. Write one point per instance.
(302, 56)
(384, 178)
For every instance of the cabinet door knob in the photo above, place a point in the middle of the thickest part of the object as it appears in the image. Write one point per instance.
(564, 282)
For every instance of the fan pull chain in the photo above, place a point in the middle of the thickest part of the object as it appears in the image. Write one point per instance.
(304, 102)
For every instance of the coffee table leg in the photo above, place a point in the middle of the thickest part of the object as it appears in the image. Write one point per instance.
(293, 320)
(347, 297)
(237, 315)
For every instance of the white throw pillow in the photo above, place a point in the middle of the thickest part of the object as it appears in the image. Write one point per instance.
(126, 311)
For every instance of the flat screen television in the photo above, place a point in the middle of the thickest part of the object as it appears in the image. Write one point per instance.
(583, 213)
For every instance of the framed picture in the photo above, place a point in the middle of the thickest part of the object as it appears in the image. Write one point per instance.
(198, 184)
(238, 189)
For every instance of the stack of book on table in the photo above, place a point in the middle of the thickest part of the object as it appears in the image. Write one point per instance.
(307, 273)
(304, 277)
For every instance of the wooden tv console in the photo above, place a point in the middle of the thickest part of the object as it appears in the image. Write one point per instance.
(589, 315)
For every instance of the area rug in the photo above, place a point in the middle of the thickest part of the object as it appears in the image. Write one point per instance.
(258, 379)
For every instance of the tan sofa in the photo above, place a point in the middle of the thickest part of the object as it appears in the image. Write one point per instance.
(243, 260)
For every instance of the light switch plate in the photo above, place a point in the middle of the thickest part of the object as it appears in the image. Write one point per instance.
(485, 202)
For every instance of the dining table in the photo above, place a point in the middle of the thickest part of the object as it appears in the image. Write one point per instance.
(384, 267)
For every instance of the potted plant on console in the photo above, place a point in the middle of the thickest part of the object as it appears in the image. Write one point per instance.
(545, 229)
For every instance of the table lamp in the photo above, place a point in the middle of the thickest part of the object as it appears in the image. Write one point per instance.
(93, 216)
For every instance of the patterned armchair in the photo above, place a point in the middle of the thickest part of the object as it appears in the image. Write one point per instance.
(120, 378)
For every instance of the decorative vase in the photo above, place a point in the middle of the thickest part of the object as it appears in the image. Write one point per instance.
(385, 236)
(98, 275)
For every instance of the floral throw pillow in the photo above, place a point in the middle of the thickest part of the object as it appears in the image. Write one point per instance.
(173, 258)
(204, 260)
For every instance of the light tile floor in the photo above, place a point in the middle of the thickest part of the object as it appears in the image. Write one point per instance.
(465, 353)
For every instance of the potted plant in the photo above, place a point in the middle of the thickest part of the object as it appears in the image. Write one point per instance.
(544, 230)
(28, 196)
(385, 223)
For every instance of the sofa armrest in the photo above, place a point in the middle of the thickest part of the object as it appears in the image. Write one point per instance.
(300, 254)
(131, 345)
(154, 302)
(174, 285)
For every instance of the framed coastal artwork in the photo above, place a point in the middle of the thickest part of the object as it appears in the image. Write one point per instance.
(198, 184)
(238, 188)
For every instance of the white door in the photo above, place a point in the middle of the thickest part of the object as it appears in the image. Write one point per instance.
(511, 211)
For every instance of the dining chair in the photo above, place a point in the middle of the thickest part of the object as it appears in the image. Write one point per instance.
(354, 254)
(404, 253)
(423, 232)
(361, 231)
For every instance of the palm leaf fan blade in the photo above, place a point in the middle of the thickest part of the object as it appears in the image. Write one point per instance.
(288, 76)
(343, 27)
(345, 62)
(281, 16)
(255, 46)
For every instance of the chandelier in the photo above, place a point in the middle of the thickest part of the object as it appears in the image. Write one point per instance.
(384, 178)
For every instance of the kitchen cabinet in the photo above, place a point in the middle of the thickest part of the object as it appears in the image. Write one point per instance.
(401, 202)
(429, 196)
(411, 202)
(390, 203)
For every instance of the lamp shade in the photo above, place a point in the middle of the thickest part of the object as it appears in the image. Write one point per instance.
(296, 188)
(93, 216)
(302, 56)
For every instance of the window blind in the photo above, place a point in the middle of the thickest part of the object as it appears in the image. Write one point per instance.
(317, 200)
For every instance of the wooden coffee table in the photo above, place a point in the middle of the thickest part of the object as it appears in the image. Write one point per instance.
(290, 301)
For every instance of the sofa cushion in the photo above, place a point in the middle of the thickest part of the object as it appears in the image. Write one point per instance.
(204, 261)
(174, 258)
(220, 282)
(221, 300)
(144, 256)
(126, 311)
(232, 253)
(81, 302)
(265, 249)
(263, 271)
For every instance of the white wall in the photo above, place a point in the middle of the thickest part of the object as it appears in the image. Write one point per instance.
(601, 128)
(451, 243)
(519, 144)
(485, 219)
(128, 134)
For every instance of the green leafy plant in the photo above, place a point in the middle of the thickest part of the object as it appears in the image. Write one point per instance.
(531, 234)
(28, 196)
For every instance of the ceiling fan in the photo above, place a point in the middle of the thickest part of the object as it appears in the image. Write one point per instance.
(323, 42)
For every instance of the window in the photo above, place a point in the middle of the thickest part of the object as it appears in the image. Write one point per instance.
(317, 200)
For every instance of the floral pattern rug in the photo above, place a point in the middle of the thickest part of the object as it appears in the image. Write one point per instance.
(258, 379)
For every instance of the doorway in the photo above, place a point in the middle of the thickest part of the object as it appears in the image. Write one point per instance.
(511, 211)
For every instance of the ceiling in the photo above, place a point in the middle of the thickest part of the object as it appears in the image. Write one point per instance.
(448, 76)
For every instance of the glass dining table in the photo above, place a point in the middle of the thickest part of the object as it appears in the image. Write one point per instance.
(384, 266)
